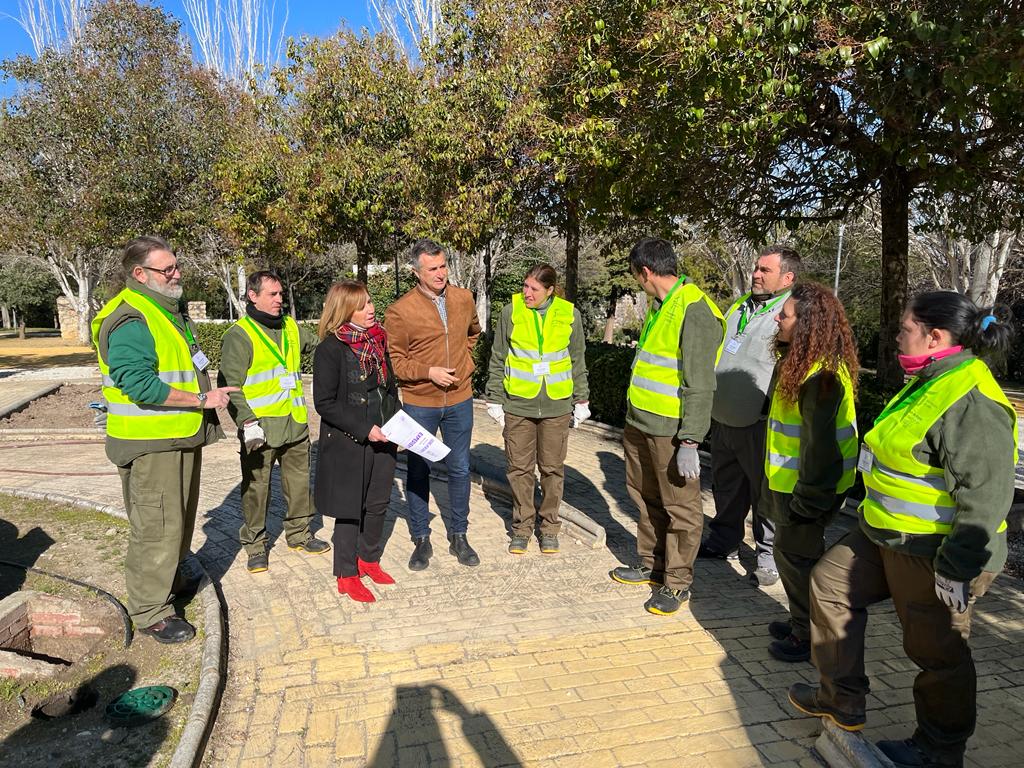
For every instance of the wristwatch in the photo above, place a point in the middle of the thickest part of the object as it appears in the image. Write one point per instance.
(202, 399)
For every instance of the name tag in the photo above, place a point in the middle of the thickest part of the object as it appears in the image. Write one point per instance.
(200, 360)
(733, 346)
(865, 460)
(287, 382)
(541, 369)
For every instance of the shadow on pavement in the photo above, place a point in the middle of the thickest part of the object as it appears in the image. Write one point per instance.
(24, 550)
(414, 728)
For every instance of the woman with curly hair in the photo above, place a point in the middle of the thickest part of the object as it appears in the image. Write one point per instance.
(811, 448)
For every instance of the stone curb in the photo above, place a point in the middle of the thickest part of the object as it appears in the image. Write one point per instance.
(42, 391)
(842, 749)
(199, 723)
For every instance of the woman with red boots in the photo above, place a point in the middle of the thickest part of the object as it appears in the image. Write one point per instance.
(355, 393)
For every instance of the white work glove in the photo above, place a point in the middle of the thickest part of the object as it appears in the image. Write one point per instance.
(496, 412)
(99, 414)
(952, 593)
(580, 413)
(253, 436)
(687, 461)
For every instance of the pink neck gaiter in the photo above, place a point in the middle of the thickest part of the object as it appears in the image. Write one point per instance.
(914, 364)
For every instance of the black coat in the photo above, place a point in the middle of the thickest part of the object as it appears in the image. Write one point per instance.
(348, 406)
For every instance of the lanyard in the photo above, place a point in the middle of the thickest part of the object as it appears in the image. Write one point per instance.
(540, 330)
(186, 330)
(269, 344)
(744, 319)
(652, 317)
(903, 400)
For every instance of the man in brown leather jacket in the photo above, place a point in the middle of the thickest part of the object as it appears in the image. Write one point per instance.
(431, 333)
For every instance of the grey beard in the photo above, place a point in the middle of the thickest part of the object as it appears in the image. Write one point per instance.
(170, 291)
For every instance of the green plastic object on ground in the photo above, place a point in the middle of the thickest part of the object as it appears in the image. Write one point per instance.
(140, 705)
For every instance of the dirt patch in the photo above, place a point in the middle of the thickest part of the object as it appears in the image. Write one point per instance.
(65, 408)
(88, 546)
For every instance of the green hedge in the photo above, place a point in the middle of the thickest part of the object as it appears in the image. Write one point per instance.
(209, 336)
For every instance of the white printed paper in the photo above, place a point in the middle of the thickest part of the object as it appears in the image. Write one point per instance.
(733, 346)
(541, 369)
(865, 460)
(287, 382)
(408, 433)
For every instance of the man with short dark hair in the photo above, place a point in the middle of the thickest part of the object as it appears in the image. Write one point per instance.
(160, 414)
(738, 415)
(261, 354)
(668, 414)
(432, 330)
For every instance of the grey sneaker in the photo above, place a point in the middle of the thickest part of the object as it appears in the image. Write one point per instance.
(630, 574)
(518, 545)
(666, 601)
(549, 544)
(764, 577)
(258, 563)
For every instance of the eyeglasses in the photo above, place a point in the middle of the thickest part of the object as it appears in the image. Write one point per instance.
(167, 272)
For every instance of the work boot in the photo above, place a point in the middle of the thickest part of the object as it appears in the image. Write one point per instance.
(377, 574)
(714, 554)
(780, 630)
(518, 545)
(421, 554)
(905, 753)
(462, 551)
(258, 563)
(548, 544)
(171, 629)
(790, 649)
(764, 577)
(805, 698)
(666, 601)
(632, 574)
(312, 546)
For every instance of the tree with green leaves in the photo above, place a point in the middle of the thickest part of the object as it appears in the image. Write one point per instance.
(24, 285)
(758, 112)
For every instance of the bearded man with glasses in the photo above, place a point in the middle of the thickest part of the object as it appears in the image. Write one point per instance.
(160, 414)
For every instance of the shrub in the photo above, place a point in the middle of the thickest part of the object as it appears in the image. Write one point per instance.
(210, 335)
(608, 367)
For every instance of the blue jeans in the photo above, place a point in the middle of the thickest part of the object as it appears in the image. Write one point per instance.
(456, 424)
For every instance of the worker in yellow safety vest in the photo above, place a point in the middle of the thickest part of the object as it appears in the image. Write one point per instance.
(938, 471)
(536, 390)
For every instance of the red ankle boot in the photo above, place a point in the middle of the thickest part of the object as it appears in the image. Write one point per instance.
(375, 572)
(353, 587)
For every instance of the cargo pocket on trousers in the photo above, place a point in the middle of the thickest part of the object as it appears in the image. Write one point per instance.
(149, 515)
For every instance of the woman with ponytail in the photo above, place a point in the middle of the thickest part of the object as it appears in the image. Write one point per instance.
(811, 448)
(938, 470)
(355, 393)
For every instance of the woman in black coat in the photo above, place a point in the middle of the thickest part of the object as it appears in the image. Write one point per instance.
(355, 393)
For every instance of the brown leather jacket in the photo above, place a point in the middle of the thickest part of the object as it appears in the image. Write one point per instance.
(418, 340)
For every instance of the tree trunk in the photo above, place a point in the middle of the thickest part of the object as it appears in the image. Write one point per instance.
(895, 194)
(21, 327)
(572, 249)
(362, 259)
(291, 300)
(5, 316)
(85, 285)
(482, 286)
(609, 316)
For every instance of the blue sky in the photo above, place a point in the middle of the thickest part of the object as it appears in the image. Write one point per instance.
(308, 17)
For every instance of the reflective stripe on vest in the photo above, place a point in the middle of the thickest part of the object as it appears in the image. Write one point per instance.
(528, 348)
(901, 493)
(784, 429)
(657, 372)
(262, 386)
(143, 421)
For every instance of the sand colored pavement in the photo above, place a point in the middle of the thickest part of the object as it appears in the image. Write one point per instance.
(524, 661)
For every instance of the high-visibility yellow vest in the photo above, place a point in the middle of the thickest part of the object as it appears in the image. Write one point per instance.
(538, 353)
(657, 378)
(782, 446)
(134, 421)
(902, 493)
(262, 386)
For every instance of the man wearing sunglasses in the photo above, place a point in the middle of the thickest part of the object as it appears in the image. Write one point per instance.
(160, 414)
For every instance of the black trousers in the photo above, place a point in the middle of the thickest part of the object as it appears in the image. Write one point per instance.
(363, 538)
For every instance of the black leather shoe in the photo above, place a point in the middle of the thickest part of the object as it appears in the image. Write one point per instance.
(780, 630)
(170, 630)
(905, 753)
(713, 554)
(805, 698)
(461, 549)
(665, 601)
(421, 554)
(790, 649)
(632, 574)
(312, 546)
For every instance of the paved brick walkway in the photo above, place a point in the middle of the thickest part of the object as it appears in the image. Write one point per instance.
(538, 660)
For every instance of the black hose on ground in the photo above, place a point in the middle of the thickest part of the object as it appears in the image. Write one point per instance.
(128, 633)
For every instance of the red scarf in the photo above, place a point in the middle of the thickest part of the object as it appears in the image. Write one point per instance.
(370, 346)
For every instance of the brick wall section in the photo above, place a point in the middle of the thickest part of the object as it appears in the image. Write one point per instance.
(51, 616)
(197, 311)
(14, 629)
(68, 319)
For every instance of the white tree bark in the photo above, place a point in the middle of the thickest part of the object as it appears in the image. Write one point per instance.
(52, 23)
(240, 39)
(413, 24)
(974, 269)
